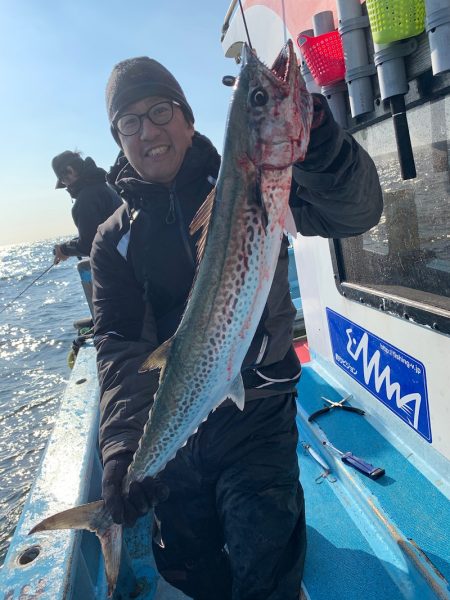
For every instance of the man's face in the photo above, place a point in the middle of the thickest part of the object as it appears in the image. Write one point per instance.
(157, 151)
(69, 177)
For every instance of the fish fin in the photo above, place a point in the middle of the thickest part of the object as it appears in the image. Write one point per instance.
(289, 223)
(80, 517)
(237, 392)
(111, 543)
(157, 359)
(93, 517)
(203, 214)
(201, 221)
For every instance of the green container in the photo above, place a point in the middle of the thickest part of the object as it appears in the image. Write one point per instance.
(392, 20)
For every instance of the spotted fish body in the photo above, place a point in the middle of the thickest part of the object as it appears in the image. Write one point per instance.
(243, 223)
(268, 130)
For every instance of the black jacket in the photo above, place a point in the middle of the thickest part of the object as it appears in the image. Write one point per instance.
(143, 264)
(95, 201)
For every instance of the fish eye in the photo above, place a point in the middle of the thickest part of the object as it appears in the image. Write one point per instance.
(259, 97)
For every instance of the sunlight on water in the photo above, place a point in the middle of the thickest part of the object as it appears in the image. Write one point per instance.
(36, 332)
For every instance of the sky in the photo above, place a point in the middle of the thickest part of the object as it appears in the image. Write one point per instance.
(55, 60)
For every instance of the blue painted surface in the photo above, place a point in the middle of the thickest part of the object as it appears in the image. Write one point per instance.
(297, 302)
(68, 564)
(340, 563)
(295, 290)
(415, 507)
(351, 554)
(86, 276)
(395, 378)
(292, 275)
(68, 476)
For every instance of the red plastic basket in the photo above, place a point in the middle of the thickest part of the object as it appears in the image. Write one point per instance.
(324, 56)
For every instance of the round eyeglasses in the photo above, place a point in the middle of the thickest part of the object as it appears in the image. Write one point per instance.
(159, 114)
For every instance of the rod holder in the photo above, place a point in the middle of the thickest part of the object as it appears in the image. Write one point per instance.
(311, 85)
(438, 30)
(390, 64)
(389, 60)
(323, 22)
(359, 70)
(335, 95)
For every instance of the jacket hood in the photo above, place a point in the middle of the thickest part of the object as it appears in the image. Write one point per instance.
(201, 158)
(90, 175)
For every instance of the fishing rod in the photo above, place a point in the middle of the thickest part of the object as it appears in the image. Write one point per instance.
(245, 25)
(28, 286)
(230, 80)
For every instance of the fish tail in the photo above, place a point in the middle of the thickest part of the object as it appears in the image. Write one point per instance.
(92, 517)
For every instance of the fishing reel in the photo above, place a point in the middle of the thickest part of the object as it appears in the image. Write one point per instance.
(229, 80)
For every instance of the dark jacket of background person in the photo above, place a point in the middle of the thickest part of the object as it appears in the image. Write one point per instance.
(143, 263)
(95, 201)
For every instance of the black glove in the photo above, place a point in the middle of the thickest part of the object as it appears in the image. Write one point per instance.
(141, 495)
(326, 139)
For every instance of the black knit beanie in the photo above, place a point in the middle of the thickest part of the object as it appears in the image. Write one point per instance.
(136, 78)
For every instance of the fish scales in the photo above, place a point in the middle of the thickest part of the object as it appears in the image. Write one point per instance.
(223, 323)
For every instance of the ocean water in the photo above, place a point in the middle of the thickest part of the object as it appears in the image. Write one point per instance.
(36, 333)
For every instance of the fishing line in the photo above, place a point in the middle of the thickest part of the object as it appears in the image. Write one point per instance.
(28, 286)
(245, 25)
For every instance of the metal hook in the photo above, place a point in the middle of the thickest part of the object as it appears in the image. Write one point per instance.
(325, 475)
(326, 469)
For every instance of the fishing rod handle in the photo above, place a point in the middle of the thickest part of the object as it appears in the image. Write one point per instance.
(402, 137)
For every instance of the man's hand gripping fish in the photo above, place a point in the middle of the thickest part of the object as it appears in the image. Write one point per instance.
(243, 221)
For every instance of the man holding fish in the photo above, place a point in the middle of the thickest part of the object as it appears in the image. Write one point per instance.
(193, 271)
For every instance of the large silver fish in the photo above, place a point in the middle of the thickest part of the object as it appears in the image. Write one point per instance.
(243, 222)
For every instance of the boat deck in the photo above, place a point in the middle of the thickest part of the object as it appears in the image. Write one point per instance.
(384, 539)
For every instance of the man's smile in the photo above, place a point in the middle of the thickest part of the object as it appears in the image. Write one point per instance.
(158, 151)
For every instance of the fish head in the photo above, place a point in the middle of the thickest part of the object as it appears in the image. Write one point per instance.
(276, 109)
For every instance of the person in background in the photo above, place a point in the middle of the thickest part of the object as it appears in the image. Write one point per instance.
(229, 508)
(94, 200)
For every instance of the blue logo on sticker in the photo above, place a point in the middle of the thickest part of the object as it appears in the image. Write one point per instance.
(395, 378)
